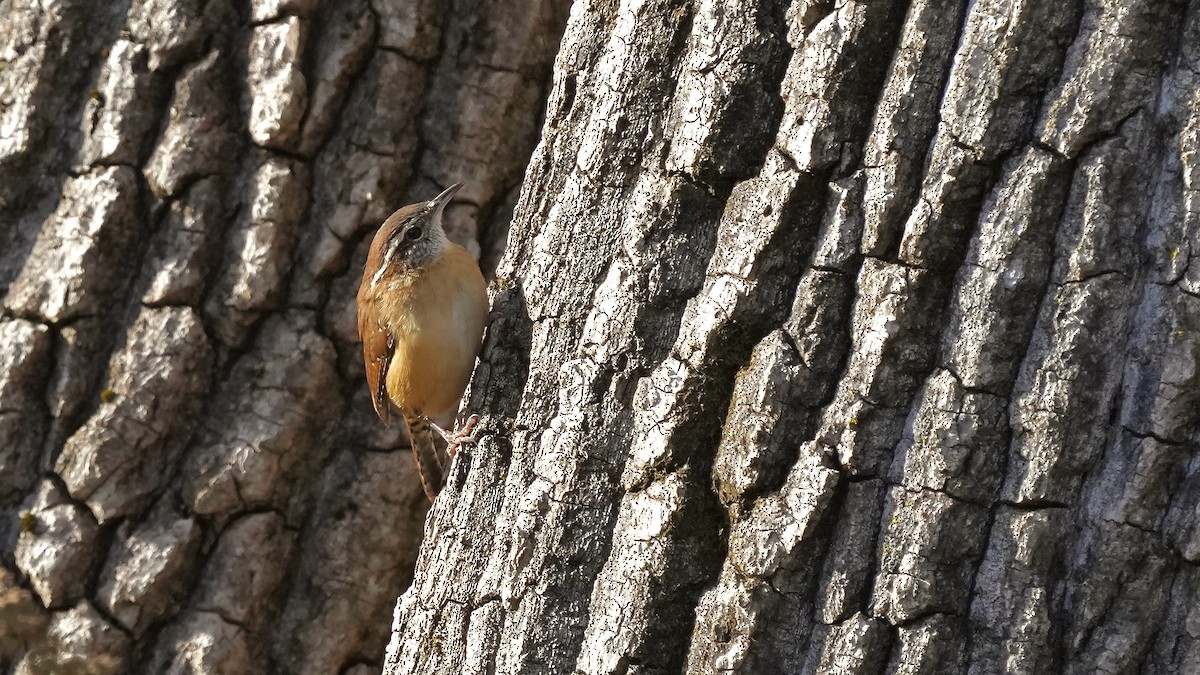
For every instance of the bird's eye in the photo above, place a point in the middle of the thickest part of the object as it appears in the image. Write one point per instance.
(413, 234)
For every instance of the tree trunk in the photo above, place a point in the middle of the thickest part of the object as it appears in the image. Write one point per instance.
(192, 478)
(851, 337)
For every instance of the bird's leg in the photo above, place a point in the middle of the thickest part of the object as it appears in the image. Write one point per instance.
(464, 435)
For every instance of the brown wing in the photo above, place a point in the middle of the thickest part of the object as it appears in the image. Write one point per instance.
(378, 348)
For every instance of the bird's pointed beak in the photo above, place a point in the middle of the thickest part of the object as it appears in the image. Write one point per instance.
(439, 202)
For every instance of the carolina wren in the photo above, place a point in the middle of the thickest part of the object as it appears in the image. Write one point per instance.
(422, 308)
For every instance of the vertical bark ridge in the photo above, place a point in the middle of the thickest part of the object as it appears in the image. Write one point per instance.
(881, 297)
(604, 338)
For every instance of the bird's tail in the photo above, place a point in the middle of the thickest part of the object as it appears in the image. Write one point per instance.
(429, 466)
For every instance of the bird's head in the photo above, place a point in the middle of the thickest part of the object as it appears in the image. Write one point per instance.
(412, 237)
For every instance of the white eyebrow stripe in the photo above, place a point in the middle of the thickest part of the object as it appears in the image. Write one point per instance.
(387, 258)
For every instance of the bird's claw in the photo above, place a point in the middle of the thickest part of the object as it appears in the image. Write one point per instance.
(464, 435)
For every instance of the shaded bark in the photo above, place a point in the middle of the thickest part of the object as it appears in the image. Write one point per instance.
(191, 475)
(839, 338)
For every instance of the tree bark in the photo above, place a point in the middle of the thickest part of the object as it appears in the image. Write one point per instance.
(853, 337)
(192, 478)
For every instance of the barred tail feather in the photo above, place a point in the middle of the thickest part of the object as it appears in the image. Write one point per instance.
(420, 436)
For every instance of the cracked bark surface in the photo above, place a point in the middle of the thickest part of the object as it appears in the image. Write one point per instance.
(189, 479)
(854, 337)
(850, 337)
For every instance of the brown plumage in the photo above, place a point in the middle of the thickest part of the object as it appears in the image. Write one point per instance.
(422, 308)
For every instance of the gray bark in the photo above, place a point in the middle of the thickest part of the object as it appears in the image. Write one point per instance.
(852, 337)
(849, 337)
(192, 478)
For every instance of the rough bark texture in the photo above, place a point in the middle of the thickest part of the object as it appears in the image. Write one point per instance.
(191, 475)
(855, 337)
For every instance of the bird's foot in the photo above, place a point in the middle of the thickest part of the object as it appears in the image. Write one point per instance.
(462, 435)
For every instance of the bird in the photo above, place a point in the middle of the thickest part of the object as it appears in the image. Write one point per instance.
(422, 310)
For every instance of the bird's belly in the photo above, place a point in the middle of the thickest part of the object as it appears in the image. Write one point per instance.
(436, 343)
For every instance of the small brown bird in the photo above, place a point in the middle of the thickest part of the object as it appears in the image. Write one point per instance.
(422, 308)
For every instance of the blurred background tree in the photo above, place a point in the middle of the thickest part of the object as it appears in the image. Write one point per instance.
(192, 478)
